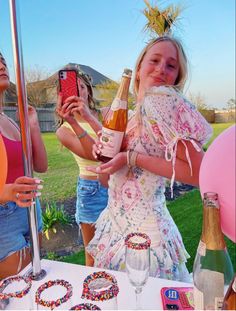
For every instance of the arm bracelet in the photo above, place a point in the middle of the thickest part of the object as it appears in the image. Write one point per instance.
(82, 135)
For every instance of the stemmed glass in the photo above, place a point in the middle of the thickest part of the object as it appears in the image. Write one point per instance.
(137, 260)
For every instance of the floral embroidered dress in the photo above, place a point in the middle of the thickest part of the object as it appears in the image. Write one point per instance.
(137, 201)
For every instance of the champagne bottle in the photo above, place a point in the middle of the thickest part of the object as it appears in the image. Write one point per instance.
(229, 302)
(115, 122)
(212, 268)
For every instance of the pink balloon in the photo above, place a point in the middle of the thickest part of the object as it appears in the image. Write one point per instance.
(217, 174)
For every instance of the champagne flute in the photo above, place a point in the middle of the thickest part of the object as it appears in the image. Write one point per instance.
(137, 260)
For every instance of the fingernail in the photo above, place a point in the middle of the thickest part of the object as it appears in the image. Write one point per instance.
(39, 187)
(38, 181)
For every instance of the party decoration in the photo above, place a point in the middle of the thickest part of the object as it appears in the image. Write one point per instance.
(132, 240)
(51, 303)
(18, 294)
(3, 164)
(217, 174)
(106, 294)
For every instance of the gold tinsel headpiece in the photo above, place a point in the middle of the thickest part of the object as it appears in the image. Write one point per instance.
(160, 22)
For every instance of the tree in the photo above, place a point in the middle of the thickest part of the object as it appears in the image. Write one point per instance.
(107, 92)
(36, 83)
(231, 104)
(199, 101)
(231, 107)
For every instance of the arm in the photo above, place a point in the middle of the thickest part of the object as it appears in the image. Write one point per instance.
(160, 166)
(39, 155)
(81, 147)
(164, 168)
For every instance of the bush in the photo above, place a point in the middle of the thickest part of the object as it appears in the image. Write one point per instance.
(52, 215)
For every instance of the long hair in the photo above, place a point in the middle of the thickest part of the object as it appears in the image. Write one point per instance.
(2, 60)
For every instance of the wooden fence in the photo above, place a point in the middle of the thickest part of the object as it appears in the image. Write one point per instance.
(47, 121)
(46, 118)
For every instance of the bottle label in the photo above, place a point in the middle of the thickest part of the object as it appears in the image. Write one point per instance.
(201, 248)
(198, 299)
(234, 285)
(208, 290)
(118, 104)
(111, 141)
(219, 303)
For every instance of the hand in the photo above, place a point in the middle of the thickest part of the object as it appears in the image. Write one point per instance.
(110, 167)
(67, 116)
(22, 191)
(76, 104)
(33, 117)
(97, 147)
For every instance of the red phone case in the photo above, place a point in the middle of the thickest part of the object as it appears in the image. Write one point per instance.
(68, 83)
(177, 298)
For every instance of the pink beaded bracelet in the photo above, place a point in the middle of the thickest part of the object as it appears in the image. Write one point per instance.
(107, 294)
(137, 245)
(85, 306)
(19, 294)
(51, 303)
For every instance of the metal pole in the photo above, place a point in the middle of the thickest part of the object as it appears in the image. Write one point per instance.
(37, 273)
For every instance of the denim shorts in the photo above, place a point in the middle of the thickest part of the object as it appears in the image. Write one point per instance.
(91, 200)
(14, 228)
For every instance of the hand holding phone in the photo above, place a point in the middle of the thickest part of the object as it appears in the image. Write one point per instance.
(68, 85)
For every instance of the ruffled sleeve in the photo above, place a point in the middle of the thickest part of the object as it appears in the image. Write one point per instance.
(177, 120)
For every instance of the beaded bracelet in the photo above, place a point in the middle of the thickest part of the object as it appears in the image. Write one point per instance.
(51, 303)
(19, 294)
(138, 245)
(85, 306)
(106, 294)
(82, 135)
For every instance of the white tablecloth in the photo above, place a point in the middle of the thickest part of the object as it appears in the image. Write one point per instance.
(75, 274)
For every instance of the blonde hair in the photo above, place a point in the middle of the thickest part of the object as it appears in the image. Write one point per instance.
(183, 62)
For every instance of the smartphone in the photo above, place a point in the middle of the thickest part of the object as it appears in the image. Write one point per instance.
(68, 85)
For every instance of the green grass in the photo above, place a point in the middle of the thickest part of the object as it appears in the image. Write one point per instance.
(61, 177)
(76, 258)
(217, 129)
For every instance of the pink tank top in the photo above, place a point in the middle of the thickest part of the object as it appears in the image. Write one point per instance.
(15, 159)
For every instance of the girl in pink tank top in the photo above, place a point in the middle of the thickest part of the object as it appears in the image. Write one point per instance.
(19, 190)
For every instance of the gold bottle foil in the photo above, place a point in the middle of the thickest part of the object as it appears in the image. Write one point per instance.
(212, 235)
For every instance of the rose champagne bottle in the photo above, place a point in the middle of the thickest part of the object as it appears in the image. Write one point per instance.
(212, 269)
(115, 122)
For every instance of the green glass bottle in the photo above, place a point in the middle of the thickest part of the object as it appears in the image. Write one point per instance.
(212, 269)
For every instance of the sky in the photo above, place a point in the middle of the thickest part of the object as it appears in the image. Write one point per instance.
(108, 36)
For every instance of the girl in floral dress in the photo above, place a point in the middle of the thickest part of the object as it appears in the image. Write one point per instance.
(164, 139)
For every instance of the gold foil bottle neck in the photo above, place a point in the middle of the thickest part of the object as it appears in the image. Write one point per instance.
(212, 234)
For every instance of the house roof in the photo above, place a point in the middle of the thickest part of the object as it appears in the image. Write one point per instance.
(97, 77)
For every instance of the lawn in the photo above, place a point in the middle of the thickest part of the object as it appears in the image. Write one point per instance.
(60, 184)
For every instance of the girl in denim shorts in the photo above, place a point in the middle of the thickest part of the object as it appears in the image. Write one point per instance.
(19, 190)
(77, 135)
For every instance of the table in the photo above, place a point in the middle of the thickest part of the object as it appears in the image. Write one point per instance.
(75, 274)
